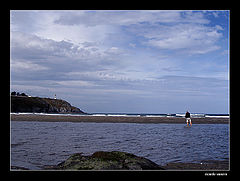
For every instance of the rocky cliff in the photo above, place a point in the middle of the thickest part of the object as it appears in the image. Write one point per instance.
(41, 105)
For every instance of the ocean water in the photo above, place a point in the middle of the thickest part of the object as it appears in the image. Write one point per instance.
(35, 144)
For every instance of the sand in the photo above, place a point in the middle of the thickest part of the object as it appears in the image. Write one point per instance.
(112, 119)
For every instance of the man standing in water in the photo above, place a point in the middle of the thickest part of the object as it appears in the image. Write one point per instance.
(188, 119)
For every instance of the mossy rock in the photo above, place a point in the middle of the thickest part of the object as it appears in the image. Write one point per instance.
(101, 160)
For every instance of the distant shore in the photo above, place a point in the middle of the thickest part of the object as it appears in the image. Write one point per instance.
(112, 119)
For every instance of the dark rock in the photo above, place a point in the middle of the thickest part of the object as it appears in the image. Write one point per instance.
(101, 160)
(41, 105)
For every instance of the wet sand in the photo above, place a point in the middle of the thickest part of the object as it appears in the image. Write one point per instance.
(112, 119)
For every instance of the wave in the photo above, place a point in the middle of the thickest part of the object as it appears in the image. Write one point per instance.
(21, 113)
(117, 115)
(216, 116)
(47, 114)
(98, 115)
(155, 116)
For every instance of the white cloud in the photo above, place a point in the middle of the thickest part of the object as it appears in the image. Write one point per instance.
(190, 38)
(162, 29)
(57, 58)
(23, 66)
(43, 24)
(215, 14)
(97, 26)
(75, 83)
(26, 46)
(133, 45)
(115, 54)
(128, 17)
(218, 27)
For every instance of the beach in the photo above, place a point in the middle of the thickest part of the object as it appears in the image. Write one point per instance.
(115, 119)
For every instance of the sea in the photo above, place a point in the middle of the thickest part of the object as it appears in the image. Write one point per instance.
(37, 144)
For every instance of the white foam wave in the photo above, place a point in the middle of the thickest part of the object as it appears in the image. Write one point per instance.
(209, 116)
(154, 116)
(98, 115)
(48, 114)
(117, 115)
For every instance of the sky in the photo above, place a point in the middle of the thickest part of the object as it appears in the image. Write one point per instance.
(123, 61)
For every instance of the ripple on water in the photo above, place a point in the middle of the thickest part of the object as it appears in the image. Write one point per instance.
(34, 144)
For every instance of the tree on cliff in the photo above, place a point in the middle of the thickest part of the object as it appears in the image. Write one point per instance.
(18, 94)
(23, 94)
(13, 93)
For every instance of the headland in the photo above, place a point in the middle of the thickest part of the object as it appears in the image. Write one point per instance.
(41, 105)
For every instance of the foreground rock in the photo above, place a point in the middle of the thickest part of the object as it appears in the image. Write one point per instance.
(101, 160)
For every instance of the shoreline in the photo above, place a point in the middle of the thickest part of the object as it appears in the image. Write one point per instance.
(114, 119)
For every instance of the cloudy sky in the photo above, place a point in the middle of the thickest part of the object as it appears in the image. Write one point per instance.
(123, 61)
